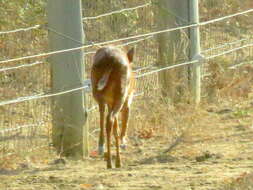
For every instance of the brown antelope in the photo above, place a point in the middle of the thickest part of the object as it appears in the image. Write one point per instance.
(112, 85)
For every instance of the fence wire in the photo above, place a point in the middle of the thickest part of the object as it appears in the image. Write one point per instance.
(118, 40)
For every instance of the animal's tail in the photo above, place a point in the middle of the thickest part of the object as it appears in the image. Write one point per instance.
(104, 80)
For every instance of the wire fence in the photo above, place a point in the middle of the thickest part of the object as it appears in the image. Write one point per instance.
(26, 83)
(124, 39)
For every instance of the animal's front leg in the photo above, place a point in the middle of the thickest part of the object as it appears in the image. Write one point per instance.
(109, 125)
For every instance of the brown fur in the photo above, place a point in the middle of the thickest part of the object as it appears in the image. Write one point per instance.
(112, 85)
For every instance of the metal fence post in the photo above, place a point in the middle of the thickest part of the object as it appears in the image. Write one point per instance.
(67, 72)
(195, 51)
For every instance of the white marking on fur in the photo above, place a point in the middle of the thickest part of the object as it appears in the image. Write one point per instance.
(123, 144)
(128, 73)
(103, 81)
(130, 99)
(101, 84)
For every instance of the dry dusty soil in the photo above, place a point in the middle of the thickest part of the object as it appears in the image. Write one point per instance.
(211, 154)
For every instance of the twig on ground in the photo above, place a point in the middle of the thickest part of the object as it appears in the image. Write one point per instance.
(175, 143)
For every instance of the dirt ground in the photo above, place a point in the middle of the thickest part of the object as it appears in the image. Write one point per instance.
(215, 151)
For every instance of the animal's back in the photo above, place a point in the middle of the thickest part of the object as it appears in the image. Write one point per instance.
(110, 75)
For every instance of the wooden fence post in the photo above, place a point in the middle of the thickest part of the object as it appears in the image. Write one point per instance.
(172, 47)
(67, 72)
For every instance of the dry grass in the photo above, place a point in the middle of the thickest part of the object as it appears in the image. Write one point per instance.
(214, 153)
(243, 182)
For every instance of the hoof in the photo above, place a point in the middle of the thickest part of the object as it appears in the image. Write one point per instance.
(109, 165)
(123, 146)
(101, 150)
(118, 165)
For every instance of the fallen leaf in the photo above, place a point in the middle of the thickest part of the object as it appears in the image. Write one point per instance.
(85, 186)
(94, 153)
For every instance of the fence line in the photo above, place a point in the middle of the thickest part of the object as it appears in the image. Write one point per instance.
(226, 44)
(230, 51)
(195, 61)
(20, 29)
(41, 123)
(91, 52)
(166, 68)
(240, 64)
(126, 38)
(21, 66)
(225, 17)
(96, 106)
(116, 12)
(126, 44)
(31, 150)
(143, 68)
(63, 35)
(84, 19)
(39, 96)
(120, 11)
(21, 127)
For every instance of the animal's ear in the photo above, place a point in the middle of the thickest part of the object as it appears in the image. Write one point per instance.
(130, 55)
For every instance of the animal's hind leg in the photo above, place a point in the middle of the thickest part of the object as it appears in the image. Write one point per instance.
(101, 133)
(116, 136)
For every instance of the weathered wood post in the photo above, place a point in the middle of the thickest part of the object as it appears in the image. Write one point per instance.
(67, 71)
(173, 47)
(195, 52)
